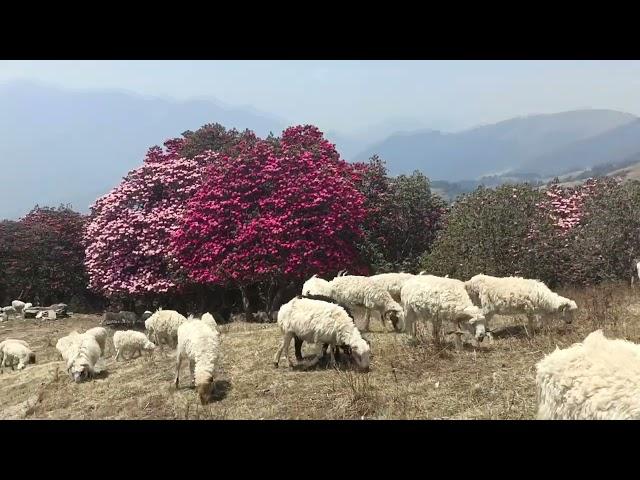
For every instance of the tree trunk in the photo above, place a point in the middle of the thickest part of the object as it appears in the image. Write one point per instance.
(246, 304)
(276, 300)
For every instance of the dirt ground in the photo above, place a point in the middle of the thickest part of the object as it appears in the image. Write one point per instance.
(492, 381)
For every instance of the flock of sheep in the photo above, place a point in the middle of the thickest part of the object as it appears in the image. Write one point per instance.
(596, 379)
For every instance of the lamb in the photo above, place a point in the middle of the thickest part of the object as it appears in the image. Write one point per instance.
(358, 292)
(16, 350)
(83, 355)
(63, 346)
(131, 341)
(598, 379)
(437, 299)
(516, 295)
(201, 345)
(100, 334)
(163, 326)
(316, 321)
(9, 310)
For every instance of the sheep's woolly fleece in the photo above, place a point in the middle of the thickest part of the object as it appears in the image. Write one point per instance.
(83, 355)
(16, 350)
(163, 324)
(445, 298)
(201, 344)
(100, 334)
(598, 379)
(131, 341)
(512, 295)
(315, 321)
(63, 346)
(356, 290)
(392, 282)
(316, 286)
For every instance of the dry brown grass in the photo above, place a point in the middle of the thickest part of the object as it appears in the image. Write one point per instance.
(493, 381)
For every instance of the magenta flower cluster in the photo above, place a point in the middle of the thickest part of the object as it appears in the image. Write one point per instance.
(276, 210)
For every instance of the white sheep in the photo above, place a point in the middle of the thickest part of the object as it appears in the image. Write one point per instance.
(9, 310)
(131, 341)
(18, 306)
(64, 344)
(83, 355)
(598, 379)
(316, 321)
(100, 334)
(27, 305)
(163, 326)
(200, 344)
(516, 295)
(439, 299)
(316, 286)
(15, 350)
(209, 320)
(360, 294)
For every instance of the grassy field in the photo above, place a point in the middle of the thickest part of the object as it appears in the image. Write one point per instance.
(493, 381)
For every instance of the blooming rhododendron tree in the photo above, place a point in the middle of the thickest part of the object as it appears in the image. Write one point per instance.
(128, 233)
(281, 209)
(42, 256)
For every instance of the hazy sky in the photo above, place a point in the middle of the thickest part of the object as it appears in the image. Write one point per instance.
(349, 96)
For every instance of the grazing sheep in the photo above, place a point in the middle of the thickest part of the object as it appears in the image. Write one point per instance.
(63, 345)
(100, 334)
(200, 343)
(9, 310)
(163, 326)
(516, 295)
(83, 355)
(131, 341)
(598, 379)
(7, 340)
(358, 293)
(441, 299)
(316, 321)
(46, 314)
(15, 350)
(27, 305)
(297, 342)
(18, 306)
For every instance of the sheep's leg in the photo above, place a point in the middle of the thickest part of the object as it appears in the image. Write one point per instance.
(436, 330)
(178, 364)
(410, 323)
(192, 370)
(297, 345)
(332, 358)
(286, 340)
(117, 354)
(530, 324)
(458, 338)
(487, 322)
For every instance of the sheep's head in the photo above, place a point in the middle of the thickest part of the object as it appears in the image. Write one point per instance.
(474, 322)
(360, 352)
(149, 346)
(79, 370)
(396, 316)
(204, 386)
(567, 310)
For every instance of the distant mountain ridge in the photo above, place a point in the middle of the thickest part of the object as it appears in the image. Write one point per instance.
(513, 144)
(68, 146)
